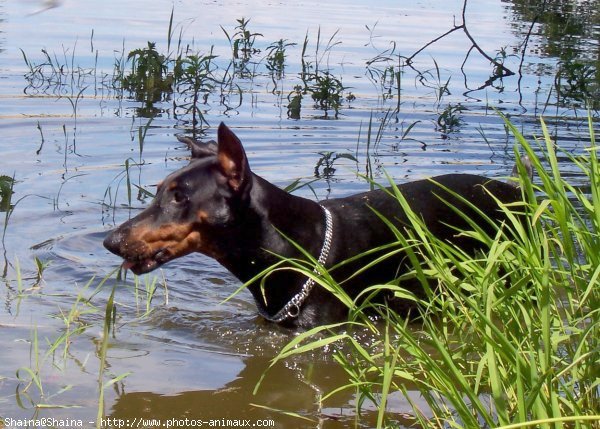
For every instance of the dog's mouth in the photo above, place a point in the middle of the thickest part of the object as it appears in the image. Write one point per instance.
(144, 264)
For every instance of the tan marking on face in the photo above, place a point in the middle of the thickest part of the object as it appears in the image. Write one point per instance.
(202, 215)
(191, 243)
(172, 185)
(173, 239)
(166, 235)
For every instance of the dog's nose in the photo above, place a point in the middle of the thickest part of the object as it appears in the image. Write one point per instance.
(113, 241)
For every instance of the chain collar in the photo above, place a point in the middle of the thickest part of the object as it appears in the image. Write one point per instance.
(291, 310)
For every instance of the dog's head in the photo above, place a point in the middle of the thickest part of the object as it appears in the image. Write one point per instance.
(192, 207)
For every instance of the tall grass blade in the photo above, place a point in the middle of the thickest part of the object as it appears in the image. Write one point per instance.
(109, 318)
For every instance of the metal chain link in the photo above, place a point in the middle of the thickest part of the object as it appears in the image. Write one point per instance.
(292, 308)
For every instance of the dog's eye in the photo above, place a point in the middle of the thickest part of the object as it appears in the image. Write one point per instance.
(179, 197)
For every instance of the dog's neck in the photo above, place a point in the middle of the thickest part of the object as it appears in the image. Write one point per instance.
(293, 308)
(274, 217)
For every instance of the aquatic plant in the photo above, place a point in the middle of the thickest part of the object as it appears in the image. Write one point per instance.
(242, 40)
(7, 205)
(276, 54)
(77, 319)
(195, 82)
(325, 165)
(578, 80)
(385, 69)
(6, 192)
(507, 339)
(149, 78)
(73, 326)
(149, 293)
(373, 138)
(499, 59)
(295, 102)
(326, 90)
(33, 371)
(432, 78)
(54, 74)
(449, 119)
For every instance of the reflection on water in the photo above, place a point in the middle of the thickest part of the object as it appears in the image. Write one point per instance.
(282, 387)
(86, 156)
(567, 28)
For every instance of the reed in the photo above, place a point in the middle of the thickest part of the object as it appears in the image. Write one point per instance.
(507, 339)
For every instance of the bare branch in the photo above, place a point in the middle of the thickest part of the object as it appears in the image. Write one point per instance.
(409, 59)
(499, 69)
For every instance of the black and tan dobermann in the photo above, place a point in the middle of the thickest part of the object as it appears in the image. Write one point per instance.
(215, 205)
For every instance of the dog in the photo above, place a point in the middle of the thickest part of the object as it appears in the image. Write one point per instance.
(217, 206)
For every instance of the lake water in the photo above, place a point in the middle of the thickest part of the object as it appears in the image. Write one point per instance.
(74, 144)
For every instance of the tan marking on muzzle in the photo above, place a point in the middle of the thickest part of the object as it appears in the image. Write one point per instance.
(176, 239)
(202, 215)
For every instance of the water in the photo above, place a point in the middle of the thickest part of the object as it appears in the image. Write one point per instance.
(66, 142)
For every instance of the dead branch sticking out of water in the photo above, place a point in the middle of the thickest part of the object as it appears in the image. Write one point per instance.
(499, 69)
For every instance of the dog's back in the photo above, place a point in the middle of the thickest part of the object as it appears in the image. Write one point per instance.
(446, 205)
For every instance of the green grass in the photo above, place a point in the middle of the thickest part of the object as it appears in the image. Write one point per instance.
(508, 339)
(54, 352)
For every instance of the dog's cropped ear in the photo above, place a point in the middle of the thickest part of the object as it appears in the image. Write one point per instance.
(527, 166)
(232, 158)
(199, 149)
